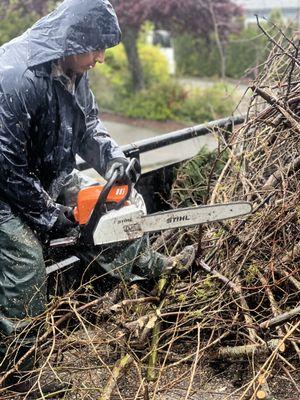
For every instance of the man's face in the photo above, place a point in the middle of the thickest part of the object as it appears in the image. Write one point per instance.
(83, 62)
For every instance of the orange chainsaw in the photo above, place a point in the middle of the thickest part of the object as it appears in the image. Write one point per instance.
(115, 213)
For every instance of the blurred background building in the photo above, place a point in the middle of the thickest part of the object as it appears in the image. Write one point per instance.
(290, 9)
(163, 39)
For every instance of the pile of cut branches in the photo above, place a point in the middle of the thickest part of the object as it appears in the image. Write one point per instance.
(259, 258)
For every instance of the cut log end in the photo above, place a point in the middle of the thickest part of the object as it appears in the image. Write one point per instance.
(281, 347)
(261, 380)
(261, 394)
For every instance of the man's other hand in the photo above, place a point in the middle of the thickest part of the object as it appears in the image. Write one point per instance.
(68, 212)
(118, 165)
(65, 224)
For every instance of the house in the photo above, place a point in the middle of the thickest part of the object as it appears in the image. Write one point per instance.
(290, 8)
(162, 39)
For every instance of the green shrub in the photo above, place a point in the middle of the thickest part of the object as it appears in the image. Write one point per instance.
(159, 102)
(170, 101)
(154, 64)
(115, 69)
(166, 101)
(111, 81)
(196, 57)
(207, 104)
(244, 51)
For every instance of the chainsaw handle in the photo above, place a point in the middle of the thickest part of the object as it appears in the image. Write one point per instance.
(106, 189)
(131, 177)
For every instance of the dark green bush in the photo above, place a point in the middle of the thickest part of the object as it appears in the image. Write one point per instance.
(160, 102)
(170, 101)
(166, 100)
(196, 57)
(244, 51)
(196, 177)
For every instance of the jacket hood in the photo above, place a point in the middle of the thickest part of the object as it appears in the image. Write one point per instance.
(74, 27)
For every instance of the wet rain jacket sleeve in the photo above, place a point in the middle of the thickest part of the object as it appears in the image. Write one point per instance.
(97, 147)
(20, 187)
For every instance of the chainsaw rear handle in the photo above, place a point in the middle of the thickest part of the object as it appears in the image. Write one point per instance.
(132, 174)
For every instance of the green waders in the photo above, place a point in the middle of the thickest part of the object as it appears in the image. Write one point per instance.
(22, 288)
(131, 262)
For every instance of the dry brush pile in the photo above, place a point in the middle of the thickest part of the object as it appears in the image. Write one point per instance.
(238, 300)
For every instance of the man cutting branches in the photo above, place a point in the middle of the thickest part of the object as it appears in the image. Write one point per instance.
(48, 115)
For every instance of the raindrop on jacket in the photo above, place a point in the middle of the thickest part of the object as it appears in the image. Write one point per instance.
(42, 125)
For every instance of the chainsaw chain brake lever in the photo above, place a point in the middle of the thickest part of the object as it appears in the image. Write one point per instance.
(133, 171)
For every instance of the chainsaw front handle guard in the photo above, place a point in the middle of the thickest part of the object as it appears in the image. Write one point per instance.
(133, 171)
(131, 177)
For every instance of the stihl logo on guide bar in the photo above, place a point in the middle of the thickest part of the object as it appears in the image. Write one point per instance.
(173, 219)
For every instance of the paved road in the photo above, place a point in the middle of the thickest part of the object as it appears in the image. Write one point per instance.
(125, 134)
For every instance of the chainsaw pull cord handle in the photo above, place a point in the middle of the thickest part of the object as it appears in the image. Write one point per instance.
(100, 208)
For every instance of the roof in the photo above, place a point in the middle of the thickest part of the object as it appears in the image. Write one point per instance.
(268, 4)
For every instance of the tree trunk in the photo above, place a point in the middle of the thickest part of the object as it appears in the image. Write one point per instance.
(130, 43)
(220, 44)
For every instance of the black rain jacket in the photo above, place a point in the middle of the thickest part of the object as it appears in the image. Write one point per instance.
(42, 125)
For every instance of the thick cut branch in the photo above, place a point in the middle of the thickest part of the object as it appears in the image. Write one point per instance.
(280, 318)
(250, 349)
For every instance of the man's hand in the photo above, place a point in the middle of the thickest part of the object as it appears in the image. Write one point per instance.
(68, 212)
(118, 165)
(65, 224)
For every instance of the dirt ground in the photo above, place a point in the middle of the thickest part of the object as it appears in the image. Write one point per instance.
(88, 368)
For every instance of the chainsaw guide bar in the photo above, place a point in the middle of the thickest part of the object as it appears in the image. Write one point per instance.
(129, 223)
